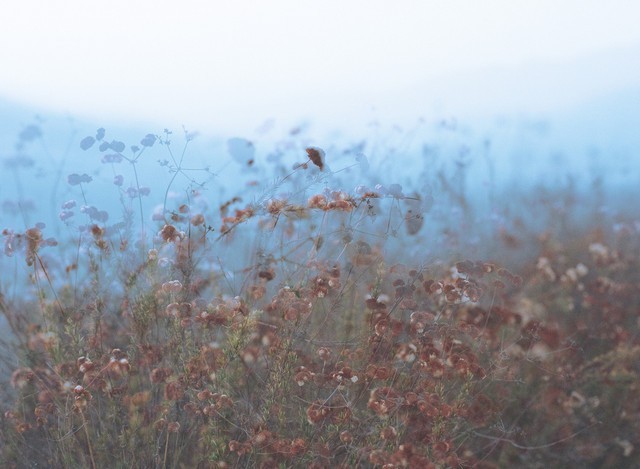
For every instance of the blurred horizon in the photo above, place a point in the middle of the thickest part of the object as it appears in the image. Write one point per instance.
(515, 95)
(541, 91)
(232, 69)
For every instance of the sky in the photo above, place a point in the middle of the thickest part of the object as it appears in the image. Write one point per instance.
(223, 66)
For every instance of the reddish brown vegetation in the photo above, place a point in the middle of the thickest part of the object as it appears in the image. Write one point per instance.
(323, 351)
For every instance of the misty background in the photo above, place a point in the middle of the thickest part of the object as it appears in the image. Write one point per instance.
(519, 94)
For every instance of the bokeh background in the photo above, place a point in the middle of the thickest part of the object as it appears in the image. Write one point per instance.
(526, 92)
(226, 67)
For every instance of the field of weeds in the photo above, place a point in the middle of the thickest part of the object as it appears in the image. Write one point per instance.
(312, 314)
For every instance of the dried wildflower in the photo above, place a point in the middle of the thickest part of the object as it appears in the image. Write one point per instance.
(389, 433)
(170, 234)
(317, 201)
(234, 445)
(267, 274)
(341, 205)
(324, 353)
(381, 327)
(419, 320)
(262, 438)
(434, 366)
(119, 365)
(344, 374)
(410, 398)
(223, 401)
(22, 376)
(197, 219)
(465, 267)
(303, 376)
(346, 437)
(378, 372)
(81, 392)
(204, 395)
(298, 447)
(316, 155)
(173, 286)
(317, 412)
(383, 401)
(85, 364)
(282, 446)
(34, 240)
(22, 427)
(257, 292)
(276, 206)
(376, 304)
(174, 391)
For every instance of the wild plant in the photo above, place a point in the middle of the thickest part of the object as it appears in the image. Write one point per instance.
(295, 323)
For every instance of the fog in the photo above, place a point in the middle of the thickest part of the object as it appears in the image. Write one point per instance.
(213, 190)
(518, 96)
(227, 68)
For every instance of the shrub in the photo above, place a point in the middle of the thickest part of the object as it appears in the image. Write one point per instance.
(300, 329)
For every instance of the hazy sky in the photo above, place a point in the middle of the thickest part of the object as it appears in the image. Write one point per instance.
(229, 65)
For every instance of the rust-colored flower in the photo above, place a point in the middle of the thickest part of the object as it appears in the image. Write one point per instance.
(317, 412)
(317, 201)
(160, 375)
(174, 391)
(316, 155)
